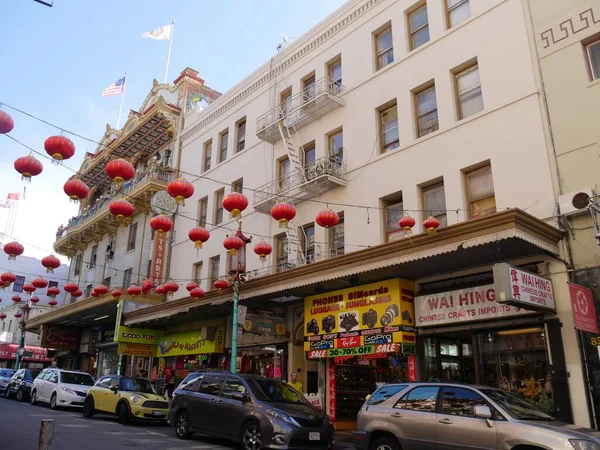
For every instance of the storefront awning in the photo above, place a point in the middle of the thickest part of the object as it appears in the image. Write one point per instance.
(30, 354)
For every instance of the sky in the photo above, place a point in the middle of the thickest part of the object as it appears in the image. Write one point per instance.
(56, 61)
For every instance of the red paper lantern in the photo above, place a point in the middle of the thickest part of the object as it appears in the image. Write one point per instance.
(18, 315)
(78, 293)
(406, 223)
(235, 203)
(170, 287)
(198, 236)
(160, 289)
(28, 167)
(327, 218)
(95, 294)
(2, 316)
(16, 298)
(101, 289)
(431, 224)
(119, 170)
(134, 290)
(53, 303)
(13, 249)
(29, 288)
(6, 122)
(70, 287)
(197, 293)
(263, 250)
(221, 284)
(35, 299)
(59, 147)
(180, 189)
(147, 287)
(122, 210)
(6, 279)
(76, 189)
(233, 244)
(116, 293)
(40, 283)
(50, 263)
(191, 286)
(161, 224)
(53, 291)
(283, 212)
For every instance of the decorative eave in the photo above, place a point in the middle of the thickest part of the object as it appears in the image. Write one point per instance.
(506, 225)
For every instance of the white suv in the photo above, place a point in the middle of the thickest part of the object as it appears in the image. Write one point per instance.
(60, 387)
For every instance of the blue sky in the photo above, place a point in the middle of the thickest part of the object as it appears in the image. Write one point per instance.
(56, 61)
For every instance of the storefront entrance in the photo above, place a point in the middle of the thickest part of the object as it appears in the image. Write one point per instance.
(450, 358)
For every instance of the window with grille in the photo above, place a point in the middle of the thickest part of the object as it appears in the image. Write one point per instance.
(480, 192)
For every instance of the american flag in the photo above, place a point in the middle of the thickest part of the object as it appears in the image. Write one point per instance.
(116, 88)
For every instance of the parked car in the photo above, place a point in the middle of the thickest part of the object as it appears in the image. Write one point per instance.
(447, 416)
(127, 398)
(5, 376)
(60, 387)
(255, 411)
(20, 384)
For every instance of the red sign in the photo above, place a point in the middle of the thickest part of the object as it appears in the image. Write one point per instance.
(412, 368)
(60, 338)
(158, 257)
(317, 354)
(332, 393)
(38, 354)
(584, 313)
(346, 342)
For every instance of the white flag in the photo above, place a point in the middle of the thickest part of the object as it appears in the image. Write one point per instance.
(161, 33)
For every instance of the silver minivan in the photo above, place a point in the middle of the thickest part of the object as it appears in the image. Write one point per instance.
(435, 416)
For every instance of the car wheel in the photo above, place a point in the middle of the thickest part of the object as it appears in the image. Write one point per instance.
(33, 398)
(182, 425)
(88, 408)
(123, 413)
(385, 443)
(53, 404)
(20, 395)
(251, 437)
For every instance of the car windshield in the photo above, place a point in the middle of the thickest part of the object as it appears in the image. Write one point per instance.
(274, 391)
(137, 385)
(29, 376)
(83, 379)
(6, 373)
(516, 406)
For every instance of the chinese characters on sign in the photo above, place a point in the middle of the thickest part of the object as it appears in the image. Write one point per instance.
(158, 257)
(520, 288)
(584, 312)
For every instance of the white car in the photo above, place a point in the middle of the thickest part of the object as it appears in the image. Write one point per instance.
(60, 387)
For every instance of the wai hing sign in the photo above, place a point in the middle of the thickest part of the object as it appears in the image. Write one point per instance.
(523, 289)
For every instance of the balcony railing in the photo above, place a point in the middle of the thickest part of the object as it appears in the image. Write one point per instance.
(312, 103)
(284, 267)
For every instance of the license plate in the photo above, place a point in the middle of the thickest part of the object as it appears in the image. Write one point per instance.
(314, 436)
(156, 413)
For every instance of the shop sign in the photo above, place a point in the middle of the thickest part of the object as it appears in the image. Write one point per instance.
(158, 257)
(332, 391)
(523, 289)
(412, 368)
(138, 335)
(108, 335)
(136, 349)
(37, 354)
(263, 324)
(60, 337)
(242, 311)
(462, 305)
(584, 312)
(393, 347)
(359, 339)
(190, 342)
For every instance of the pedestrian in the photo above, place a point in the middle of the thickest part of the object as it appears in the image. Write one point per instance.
(295, 383)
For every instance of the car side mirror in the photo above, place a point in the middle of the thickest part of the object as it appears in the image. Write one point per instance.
(483, 412)
(115, 389)
(241, 396)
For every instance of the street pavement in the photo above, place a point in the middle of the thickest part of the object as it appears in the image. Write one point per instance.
(20, 425)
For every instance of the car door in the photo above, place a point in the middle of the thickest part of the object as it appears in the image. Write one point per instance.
(50, 384)
(111, 395)
(232, 412)
(99, 392)
(414, 418)
(457, 426)
(38, 385)
(205, 403)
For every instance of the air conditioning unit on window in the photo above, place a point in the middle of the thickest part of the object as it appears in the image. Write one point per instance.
(575, 203)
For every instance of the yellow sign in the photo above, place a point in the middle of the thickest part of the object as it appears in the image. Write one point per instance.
(138, 335)
(137, 350)
(190, 343)
(365, 316)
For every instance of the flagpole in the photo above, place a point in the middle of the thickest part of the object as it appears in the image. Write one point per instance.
(122, 97)
(169, 52)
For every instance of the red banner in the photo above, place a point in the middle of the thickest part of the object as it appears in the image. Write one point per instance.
(158, 257)
(332, 389)
(60, 337)
(38, 354)
(412, 368)
(584, 312)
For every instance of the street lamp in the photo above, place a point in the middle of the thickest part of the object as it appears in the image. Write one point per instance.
(25, 311)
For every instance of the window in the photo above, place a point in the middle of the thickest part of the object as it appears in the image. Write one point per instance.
(211, 385)
(460, 402)
(237, 185)
(219, 206)
(468, 86)
(282, 250)
(385, 393)
(335, 76)
(419, 27)
(385, 48)
(18, 284)
(52, 284)
(458, 10)
(285, 168)
(132, 237)
(53, 378)
(309, 242)
(78, 263)
(421, 398)
(149, 268)
(480, 192)
(93, 256)
(106, 282)
(127, 278)
(390, 138)
(223, 138)
(110, 248)
(192, 382)
(286, 101)
(215, 262)
(337, 237)
(309, 160)
(88, 291)
(434, 202)
(198, 272)
(241, 135)
(232, 386)
(427, 114)
(593, 51)
(207, 156)
(393, 211)
(309, 88)
(202, 211)
(336, 147)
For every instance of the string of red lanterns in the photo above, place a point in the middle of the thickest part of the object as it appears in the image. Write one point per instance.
(263, 249)
(283, 212)
(59, 148)
(198, 236)
(119, 170)
(40, 283)
(6, 279)
(180, 190)
(13, 249)
(122, 210)
(50, 262)
(235, 203)
(28, 166)
(161, 224)
(76, 189)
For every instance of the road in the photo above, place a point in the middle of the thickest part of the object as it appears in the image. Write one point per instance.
(20, 424)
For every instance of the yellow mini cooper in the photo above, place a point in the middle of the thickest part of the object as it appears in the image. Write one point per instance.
(127, 398)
